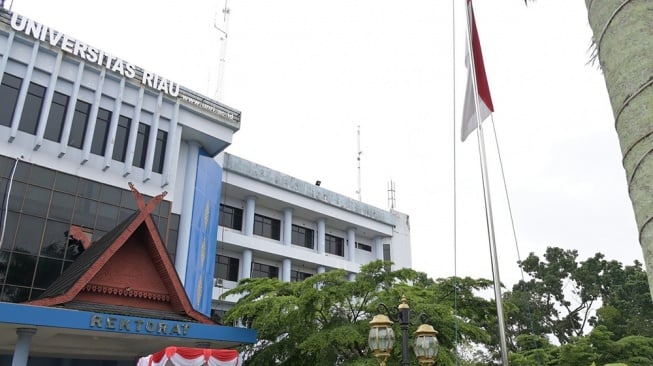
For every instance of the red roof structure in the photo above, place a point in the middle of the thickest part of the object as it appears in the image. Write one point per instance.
(127, 272)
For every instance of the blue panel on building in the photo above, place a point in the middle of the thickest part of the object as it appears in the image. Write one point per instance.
(203, 233)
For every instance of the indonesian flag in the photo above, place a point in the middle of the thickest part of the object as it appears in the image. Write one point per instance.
(485, 107)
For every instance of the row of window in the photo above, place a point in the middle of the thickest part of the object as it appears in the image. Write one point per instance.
(232, 217)
(44, 209)
(227, 268)
(29, 119)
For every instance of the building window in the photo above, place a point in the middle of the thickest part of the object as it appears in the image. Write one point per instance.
(302, 236)
(122, 136)
(56, 117)
(334, 245)
(226, 268)
(101, 132)
(264, 271)
(80, 122)
(386, 252)
(365, 247)
(231, 217)
(29, 120)
(49, 217)
(160, 151)
(140, 151)
(8, 98)
(267, 227)
(297, 276)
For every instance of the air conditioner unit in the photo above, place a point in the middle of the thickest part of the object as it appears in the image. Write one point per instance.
(217, 282)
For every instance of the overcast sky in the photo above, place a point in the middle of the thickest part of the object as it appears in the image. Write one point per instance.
(306, 74)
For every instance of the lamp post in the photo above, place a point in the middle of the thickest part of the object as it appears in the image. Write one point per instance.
(381, 337)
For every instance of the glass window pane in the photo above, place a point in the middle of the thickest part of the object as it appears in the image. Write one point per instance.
(55, 239)
(29, 234)
(10, 231)
(101, 132)
(80, 122)
(14, 294)
(107, 216)
(122, 135)
(8, 98)
(36, 201)
(43, 177)
(61, 207)
(65, 183)
(16, 196)
(160, 151)
(4, 264)
(56, 117)
(85, 211)
(110, 195)
(47, 270)
(140, 151)
(88, 189)
(30, 117)
(21, 269)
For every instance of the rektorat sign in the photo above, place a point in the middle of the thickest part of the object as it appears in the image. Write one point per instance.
(91, 54)
(135, 325)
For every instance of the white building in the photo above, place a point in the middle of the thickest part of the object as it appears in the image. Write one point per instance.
(274, 225)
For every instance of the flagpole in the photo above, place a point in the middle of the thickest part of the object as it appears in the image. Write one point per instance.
(486, 193)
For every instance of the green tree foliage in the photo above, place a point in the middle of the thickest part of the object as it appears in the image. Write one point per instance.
(558, 302)
(324, 320)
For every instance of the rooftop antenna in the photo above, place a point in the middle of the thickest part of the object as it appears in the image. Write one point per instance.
(392, 200)
(221, 23)
(358, 158)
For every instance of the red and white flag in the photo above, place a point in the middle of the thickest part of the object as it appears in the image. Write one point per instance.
(485, 107)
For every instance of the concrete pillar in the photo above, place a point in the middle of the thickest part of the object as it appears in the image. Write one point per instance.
(321, 269)
(21, 351)
(287, 226)
(351, 240)
(285, 270)
(247, 264)
(378, 247)
(321, 232)
(248, 219)
(188, 196)
(352, 277)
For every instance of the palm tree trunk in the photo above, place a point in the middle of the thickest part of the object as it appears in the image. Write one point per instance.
(623, 36)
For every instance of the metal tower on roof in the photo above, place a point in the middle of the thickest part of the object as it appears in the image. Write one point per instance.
(221, 23)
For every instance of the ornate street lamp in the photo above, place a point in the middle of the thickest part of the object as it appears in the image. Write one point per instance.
(426, 344)
(381, 337)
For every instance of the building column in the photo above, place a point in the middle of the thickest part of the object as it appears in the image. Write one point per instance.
(378, 247)
(188, 196)
(248, 219)
(352, 277)
(285, 270)
(287, 225)
(321, 269)
(351, 240)
(247, 264)
(321, 232)
(21, 351)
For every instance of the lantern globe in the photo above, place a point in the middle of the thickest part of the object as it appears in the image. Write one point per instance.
(426, 344)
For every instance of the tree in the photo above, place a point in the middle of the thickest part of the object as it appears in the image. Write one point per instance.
(623, 41)
(324, 320)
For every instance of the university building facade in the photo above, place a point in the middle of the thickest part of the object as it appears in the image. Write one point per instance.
(116, 188)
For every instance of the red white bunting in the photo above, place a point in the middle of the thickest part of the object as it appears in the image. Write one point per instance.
(183, 356)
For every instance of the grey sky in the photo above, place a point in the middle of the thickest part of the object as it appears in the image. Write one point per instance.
(305, 74)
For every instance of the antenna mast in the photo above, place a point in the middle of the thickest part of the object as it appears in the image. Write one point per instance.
(358, 158)
(223, 28)
(392, 200)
